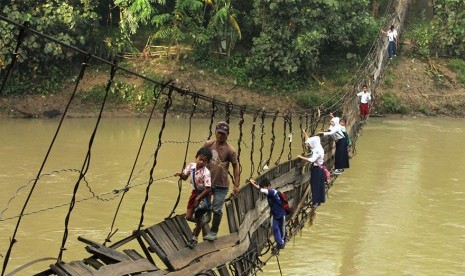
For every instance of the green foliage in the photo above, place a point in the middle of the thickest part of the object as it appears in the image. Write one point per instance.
(421, 35)
(70, 22)
(449, 26)
(120, 92)
(389, 103)
(294, 33)
(389, 81)
(308, 99)
(36, 82)
(458, 66)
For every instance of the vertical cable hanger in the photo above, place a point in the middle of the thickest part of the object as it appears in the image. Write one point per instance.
(228, 108)
(289, 118)
(284, 138)
(169, 101)
(86, 163)
(301, 126)
(194, 106)
(252, 132)
(239, 141)
(212, 118)
(156, 96)
(273, 138)
(262, 143)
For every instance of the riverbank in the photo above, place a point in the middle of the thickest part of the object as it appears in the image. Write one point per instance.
(411, 87)
(135, 94)
(417, 87)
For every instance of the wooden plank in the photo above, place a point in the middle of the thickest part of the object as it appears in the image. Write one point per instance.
(81, 268)
(58, 270)
(108, 253)
(126, 267)
(159, 237)
(185, 256)
(183, 226)
(223, 270)
(133, 254)
(214, 259)
(155, 248)
(144, 248)
(173, 233)
(93, 262)
(231, 216)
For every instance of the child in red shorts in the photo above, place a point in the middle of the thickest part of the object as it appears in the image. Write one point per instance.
(364, 99)
(199, 200)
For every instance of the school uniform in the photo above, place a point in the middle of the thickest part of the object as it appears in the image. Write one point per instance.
(341, 156)
(278, 216)
(317, 176)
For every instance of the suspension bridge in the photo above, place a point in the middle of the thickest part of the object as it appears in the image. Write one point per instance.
(160, 249)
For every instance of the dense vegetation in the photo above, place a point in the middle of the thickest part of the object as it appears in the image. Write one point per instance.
(278, 45)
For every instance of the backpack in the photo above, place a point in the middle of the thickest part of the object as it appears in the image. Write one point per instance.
(285, 203)
(327, 174)
(347, 137)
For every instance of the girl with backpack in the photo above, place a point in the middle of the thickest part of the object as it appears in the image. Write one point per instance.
(341, 156)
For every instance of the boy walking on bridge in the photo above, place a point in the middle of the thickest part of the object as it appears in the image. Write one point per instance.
(223, 155)
(199, 201)
(364, 99)
(277, 210)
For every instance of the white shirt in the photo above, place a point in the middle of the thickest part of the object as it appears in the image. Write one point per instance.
(318, 153)
(365, 97)
(391, 35)
(200, 178)
(335, 130)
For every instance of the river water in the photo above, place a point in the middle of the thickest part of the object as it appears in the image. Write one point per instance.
(399, 209)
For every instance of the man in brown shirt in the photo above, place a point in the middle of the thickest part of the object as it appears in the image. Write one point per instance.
(223, 155)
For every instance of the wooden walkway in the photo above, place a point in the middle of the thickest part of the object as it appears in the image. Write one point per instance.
(161, 248)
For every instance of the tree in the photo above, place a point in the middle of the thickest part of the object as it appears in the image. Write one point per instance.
(294, 32)
(70, 22)
(449, 27)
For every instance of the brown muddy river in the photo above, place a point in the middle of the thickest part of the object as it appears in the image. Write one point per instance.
(399, 209)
